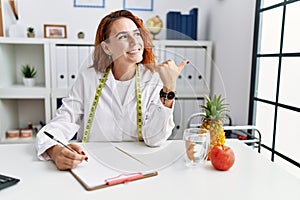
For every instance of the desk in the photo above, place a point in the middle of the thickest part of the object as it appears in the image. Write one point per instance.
(251, 177)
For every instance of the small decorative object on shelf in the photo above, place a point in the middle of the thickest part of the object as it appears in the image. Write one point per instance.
(26, 133)
(214, 109)
(30, 32)
(55, 31)
(12, 134)
(154, 25)
(29, 74)
(80, 35)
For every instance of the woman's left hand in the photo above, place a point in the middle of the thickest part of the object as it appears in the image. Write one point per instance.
(169, 72)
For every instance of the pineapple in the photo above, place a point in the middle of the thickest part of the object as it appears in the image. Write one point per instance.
(214, 109)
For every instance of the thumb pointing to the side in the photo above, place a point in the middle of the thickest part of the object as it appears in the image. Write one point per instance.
(182, 65)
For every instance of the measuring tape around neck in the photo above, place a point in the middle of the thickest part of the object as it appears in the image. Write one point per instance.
(139, 112)
(96, 99)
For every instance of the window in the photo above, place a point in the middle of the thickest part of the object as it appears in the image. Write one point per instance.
(275, 80)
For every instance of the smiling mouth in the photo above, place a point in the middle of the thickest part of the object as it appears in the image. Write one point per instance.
(134, 51)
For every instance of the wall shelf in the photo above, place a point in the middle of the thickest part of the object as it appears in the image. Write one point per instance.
(21, 91)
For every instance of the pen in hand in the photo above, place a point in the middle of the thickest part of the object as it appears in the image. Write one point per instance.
(53, 138)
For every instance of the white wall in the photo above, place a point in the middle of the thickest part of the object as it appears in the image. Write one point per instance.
(231, 29)
(35, 13)
(228, 23)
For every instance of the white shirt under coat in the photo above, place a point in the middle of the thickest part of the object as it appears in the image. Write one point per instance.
(114, 120)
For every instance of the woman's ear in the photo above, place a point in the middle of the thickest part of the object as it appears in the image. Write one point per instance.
(105, 48)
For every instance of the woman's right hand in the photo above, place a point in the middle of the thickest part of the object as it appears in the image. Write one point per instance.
(65, 159)
(169, 72)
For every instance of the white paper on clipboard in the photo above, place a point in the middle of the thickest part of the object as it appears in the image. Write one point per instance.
(106, 162)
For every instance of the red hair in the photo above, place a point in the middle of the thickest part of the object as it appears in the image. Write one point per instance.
(101, 60)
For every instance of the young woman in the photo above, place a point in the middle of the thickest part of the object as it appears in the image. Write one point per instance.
(123, 96)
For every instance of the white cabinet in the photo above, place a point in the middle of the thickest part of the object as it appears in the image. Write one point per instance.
(194, 80)
(58, 63)
(20, 104)
(67, 59)
(184, 108)
(193, 84)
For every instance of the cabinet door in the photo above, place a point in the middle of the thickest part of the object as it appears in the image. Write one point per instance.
(191, 81)
(73, 64)
(69, 60)
(84, 56)
(184, 108)
(194, 80)
(178, 119)
(61, 67)
(158, 53)
(90, 59)
(176, 54)
(191, 106)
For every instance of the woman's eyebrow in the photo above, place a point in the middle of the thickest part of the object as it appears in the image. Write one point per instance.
(125, 32)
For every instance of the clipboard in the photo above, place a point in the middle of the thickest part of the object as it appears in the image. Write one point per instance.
(115, 181)
(103, 168)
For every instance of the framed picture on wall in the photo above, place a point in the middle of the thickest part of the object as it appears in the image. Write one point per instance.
(55, 31)
(89, 3)
(143, 5)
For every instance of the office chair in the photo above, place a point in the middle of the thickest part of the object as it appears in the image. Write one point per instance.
(249, 134)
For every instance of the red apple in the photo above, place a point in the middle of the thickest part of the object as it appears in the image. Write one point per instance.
(222, 157)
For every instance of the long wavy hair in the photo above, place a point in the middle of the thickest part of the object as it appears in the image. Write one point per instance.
(101, 60)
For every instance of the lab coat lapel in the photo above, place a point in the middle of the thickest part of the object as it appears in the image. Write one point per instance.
(110, 82)
(111, 85)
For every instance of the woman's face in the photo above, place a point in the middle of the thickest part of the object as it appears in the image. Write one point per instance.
(125, 42)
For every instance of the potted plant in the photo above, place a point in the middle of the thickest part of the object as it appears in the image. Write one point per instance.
(80, 35)
(29, 74)
(30, 32)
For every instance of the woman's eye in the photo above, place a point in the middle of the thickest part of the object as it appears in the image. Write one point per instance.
(138, 34)
(122, 37)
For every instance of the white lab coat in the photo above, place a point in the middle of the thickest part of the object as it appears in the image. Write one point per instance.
(112, 121)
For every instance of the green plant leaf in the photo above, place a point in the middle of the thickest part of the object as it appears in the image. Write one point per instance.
(28, 71)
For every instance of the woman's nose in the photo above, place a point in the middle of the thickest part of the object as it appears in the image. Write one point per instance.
(133, 40)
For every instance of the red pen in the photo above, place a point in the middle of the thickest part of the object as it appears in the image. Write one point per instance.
(123, 178)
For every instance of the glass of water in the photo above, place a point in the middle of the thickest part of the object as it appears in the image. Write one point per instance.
(196, 145)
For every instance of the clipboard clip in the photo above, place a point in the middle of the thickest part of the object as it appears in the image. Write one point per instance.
(123, 178)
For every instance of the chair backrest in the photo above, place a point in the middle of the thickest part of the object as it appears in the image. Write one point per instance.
(194, 121)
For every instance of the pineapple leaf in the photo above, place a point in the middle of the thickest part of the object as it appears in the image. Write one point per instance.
(215, 108)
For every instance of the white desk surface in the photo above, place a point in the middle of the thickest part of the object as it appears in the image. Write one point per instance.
(251, 177)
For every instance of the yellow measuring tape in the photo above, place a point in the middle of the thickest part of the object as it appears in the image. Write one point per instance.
(96, 99)
(138, 104)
